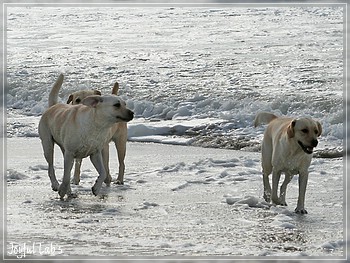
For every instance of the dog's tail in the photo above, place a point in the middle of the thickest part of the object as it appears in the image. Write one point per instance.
(115, 88)
(53, 96)
(263, 118)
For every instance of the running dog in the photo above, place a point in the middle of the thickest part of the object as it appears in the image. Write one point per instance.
(119, 133)
(80, 131)
(287, 148)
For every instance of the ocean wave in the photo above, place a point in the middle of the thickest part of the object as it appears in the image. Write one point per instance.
(182, 65)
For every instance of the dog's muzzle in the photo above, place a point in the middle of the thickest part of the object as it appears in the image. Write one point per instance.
(308, 149)
(127, 118)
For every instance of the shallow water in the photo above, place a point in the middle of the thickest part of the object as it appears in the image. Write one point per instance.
(194, 202)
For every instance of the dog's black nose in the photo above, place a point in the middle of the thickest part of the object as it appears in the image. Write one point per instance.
(314, 143)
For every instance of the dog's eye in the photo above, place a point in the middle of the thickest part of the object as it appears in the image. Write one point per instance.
(316, 131)
(305, 130)
(117, 105)
(78, 101)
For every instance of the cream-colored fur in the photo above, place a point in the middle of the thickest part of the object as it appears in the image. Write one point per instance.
(80, 131)
(287, 148)
(119, 136)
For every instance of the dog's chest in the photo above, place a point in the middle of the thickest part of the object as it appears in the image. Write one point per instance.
(293, 170)
(89, 144)
(86, 150)
(293, 164)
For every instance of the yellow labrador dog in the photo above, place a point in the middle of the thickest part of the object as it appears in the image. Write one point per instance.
(119, 133)
(80, 131)
(287, 148)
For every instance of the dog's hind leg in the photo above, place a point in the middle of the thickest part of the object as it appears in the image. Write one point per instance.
(267, 187)
(120, 140)
(276, 175)
(97, 161)
(76, 177)
(105, 158)
(68, 165)
(287, 178)
(266, 149)
(48, 147)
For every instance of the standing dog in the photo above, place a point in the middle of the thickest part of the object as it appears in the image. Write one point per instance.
(287, 147)
(119, 134)
(80, 131)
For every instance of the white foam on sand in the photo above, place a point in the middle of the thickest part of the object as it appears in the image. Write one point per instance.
(177, 200)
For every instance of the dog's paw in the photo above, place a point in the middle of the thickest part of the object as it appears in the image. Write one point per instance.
(119, 182)
(55, 186)
(279, 201)
(300, 211)
(108, 181)
(62, 190)
(275, 200)
(72, 195)
(95, 190)
(267, 198)
(75, 181)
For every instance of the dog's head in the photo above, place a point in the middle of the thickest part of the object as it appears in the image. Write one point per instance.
(111, 106)
(305, 132)
(78, 96)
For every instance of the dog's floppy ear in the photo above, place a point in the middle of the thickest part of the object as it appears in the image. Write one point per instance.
(319, 128)
(290, 129)
(92, 101)
(97, 92)
(115, 88)
(70, 99)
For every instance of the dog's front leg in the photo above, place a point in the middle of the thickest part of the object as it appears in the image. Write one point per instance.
(276, 175)
(120, 140)
(97, 161)
(303, 178)
(65, 185)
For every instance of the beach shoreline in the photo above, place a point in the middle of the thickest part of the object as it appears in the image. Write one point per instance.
(177, 200)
